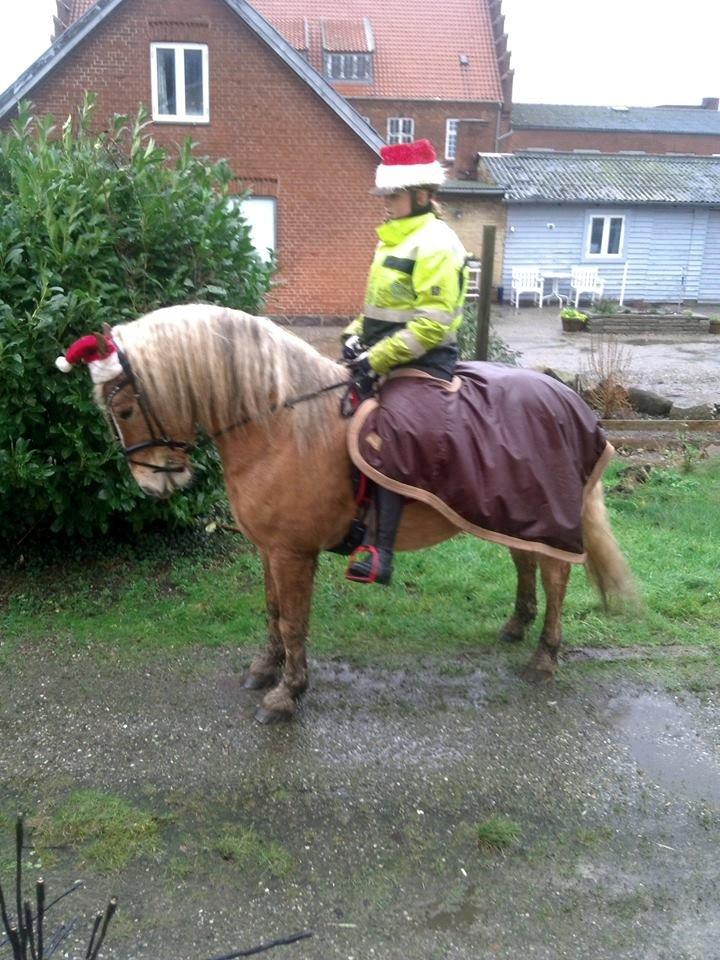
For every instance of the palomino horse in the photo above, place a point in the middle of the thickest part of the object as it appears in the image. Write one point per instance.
(288, 474)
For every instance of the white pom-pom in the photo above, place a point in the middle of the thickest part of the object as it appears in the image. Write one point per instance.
(62, 365)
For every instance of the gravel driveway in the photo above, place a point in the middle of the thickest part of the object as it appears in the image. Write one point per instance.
(375, 795)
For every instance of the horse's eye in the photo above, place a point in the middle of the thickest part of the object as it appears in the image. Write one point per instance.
(125, 414)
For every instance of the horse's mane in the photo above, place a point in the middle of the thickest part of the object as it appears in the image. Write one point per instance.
(212, 366)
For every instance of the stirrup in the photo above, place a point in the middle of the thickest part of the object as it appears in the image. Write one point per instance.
(374, 565)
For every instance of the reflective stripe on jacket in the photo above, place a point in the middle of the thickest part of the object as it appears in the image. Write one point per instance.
(415, 291)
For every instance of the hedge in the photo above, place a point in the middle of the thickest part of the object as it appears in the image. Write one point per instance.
(94, 228)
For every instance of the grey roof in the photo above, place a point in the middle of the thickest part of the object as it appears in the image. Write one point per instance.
(552, 116)
(602, 178)
(473, 187)
(79, 30)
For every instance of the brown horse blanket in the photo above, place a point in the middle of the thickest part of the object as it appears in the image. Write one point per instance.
(504, 453)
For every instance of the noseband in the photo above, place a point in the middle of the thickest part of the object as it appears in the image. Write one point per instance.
(158, 434)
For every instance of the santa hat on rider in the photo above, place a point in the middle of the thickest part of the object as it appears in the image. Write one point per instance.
(407, 165)
(100, 354)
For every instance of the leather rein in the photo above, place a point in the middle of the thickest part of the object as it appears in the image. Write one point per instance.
(159, 436)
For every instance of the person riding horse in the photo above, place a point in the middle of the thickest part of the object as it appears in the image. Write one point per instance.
(413, 308)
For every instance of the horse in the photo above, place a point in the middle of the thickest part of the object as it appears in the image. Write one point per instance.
(270, 402)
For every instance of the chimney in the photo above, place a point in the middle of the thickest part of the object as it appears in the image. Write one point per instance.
(473, 137)
(710, 103)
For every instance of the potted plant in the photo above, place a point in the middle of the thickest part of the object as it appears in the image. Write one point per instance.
(714, 324)
(573, 321)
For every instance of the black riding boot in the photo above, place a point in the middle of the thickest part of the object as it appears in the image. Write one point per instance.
(378, 564)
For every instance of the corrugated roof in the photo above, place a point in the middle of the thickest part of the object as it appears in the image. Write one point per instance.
(551, 116)
(418, 44)
(602, 178)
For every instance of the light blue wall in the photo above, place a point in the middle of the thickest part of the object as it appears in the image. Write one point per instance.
(672, 253)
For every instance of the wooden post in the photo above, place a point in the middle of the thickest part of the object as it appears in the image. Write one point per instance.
(483, 304)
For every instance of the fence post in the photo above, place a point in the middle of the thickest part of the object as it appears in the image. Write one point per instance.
(623, 285)
(483, 304)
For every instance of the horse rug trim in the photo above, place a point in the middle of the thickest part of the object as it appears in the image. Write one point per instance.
(503, 453)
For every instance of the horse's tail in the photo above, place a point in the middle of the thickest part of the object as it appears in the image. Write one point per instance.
(606, 567)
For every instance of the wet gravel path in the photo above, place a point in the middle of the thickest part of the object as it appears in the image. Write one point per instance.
(374, 794)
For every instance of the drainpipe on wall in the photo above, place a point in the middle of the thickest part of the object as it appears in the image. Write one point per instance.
(499, 136)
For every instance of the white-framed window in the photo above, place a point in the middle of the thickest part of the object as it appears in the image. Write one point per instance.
(180, 82)
(349, 66)
(261, 216)
(605, 235)
(400, 130)
(451, 129)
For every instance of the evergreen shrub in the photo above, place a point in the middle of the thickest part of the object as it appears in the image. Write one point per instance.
(95, 228)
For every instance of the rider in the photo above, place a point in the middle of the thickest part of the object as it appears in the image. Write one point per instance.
(413, 306)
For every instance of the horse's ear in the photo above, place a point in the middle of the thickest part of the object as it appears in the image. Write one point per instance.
(107, 329)
(101, 344)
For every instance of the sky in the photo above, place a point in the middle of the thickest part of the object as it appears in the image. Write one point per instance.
(606, 52)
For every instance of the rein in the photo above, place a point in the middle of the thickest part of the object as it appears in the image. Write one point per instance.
(159, 435)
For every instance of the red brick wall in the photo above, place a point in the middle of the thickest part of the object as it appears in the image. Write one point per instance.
(264, 120)
(611, 142)
(430, 118)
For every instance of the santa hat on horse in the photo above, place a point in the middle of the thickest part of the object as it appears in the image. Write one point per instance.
(100, 354)
(406, 165)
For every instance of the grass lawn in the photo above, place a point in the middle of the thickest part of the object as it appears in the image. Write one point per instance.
(207, 589)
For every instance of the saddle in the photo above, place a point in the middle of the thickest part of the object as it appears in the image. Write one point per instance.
(504, 453)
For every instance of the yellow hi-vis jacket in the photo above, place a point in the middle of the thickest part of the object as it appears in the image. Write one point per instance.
(415, 292)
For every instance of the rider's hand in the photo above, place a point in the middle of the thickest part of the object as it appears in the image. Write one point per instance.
(352, 348)
(361, 367)
(364, 377)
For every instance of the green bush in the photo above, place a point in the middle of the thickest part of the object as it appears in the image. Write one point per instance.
(568, 313)
(98, 228)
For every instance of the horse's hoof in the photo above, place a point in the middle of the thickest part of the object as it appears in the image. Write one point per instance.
(266, 717)
(537, 675)
(255, 681)
(511, 636)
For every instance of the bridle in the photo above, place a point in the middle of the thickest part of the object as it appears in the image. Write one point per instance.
(159, 436)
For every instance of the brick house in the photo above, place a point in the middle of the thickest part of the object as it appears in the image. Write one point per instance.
(686, 130)
(214, 70)
(414, 70)
(298, 99)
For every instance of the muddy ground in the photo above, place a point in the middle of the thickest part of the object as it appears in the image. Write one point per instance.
(375, 793)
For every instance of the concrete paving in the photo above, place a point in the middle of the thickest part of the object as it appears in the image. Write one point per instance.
(685, 368)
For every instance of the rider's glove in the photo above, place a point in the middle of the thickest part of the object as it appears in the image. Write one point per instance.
(352, 348)
(363, 375)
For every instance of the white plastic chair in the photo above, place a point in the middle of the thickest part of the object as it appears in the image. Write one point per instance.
(585, 280)
(526, 280)
(473, 287)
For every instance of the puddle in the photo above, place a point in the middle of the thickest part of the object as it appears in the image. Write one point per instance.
(666, 743)
(461, 914)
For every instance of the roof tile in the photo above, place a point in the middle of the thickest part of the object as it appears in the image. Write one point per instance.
(418, 44)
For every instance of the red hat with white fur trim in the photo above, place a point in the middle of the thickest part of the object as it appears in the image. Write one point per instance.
(98, 352)
(407, 165)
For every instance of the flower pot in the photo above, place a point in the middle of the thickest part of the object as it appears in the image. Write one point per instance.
(573, 326)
